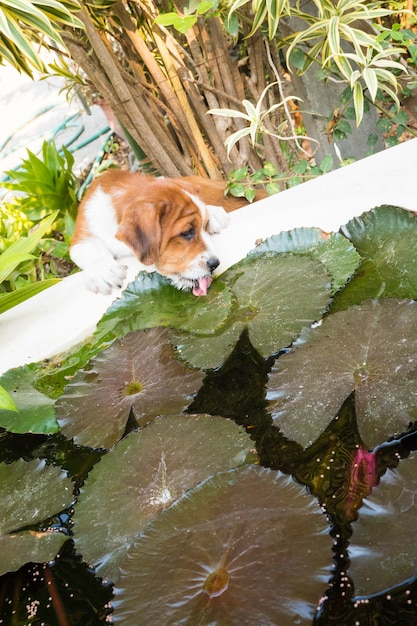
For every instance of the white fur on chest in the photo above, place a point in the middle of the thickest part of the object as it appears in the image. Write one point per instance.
(102, 222)
(101, 254)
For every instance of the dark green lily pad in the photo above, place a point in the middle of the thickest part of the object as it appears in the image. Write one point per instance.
(366, 284)
(336, 252)
(36, 413)
(383, 549)
(148, 302)
(245, 547)
(30, 493)
(151, 301)
(276, 295)
(137, 373)
(387, 236)
(144, 474)
(371, 348)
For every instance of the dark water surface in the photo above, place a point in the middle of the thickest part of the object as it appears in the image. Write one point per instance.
(336, 469)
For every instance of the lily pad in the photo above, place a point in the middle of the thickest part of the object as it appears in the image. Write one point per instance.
(387, 236)
(336, 252)
(383, 551)
(36, 413)
(371, 348)
(144, 474)
(148, 302)
(276, 295)
(137, 374)
(30, 492)
(245, 547)
(151, 301)
(365, 284)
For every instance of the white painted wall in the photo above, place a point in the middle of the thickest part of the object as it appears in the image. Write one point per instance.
(67, 313)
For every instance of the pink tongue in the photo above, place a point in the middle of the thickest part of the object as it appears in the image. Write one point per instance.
(203, 285)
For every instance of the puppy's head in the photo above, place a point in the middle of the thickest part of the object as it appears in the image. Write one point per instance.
(166, 227)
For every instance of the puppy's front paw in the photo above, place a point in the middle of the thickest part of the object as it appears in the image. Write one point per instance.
(103, 278)
(218, 219)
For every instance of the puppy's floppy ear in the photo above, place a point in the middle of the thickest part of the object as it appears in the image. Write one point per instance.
(142, 232)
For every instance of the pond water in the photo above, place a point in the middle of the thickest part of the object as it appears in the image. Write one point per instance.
(260, 486)
(66, 591)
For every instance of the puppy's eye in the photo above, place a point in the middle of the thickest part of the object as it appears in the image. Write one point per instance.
(188, 234)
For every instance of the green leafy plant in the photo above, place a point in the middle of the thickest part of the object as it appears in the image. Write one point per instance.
(334, 24)
(263, 10)
(243, 183)
(16, 254)
(333, 38)
(183, 22)
(404, 37)
(255, 115)
(44, 185)
(194, 60)
(374, 71)
(48, 184)
(25, 25)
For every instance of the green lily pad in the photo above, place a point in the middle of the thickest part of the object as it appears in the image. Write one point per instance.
(36, 413)
(29, 493)
(135, 374)
(144, 474)
(366, 284)
(383, 550)
(148, 302)
(387, 236)
(276, 295)
(336, 252)
(371, 348)
(151, 301)
(245, 547)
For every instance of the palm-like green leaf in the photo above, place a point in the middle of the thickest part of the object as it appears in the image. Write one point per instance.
(13, 298)
(25, 24)
(334, 24)
(237, 136)
(11, 31)
(272, 10)
(21, 249)
(358, 102)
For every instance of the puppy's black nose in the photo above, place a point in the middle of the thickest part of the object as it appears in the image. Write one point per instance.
(212, 263)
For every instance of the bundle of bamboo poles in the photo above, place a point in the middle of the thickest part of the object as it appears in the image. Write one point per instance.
(160, 85)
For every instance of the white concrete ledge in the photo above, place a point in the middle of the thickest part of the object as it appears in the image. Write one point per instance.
(63, 315)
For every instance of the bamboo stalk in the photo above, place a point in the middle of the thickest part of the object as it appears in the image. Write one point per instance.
(171, 64)
(161, 80)
(165, 153)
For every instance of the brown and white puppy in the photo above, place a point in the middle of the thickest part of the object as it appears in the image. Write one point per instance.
(165, 223)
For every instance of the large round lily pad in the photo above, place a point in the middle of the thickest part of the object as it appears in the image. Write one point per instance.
(246, 547)
(387, 238)
(136, 373)
(148, 302)
(275, 296)
(371, 348)
(136, 308)
(383, 549)
(144, 474)
(336, 252)
(30, 492)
